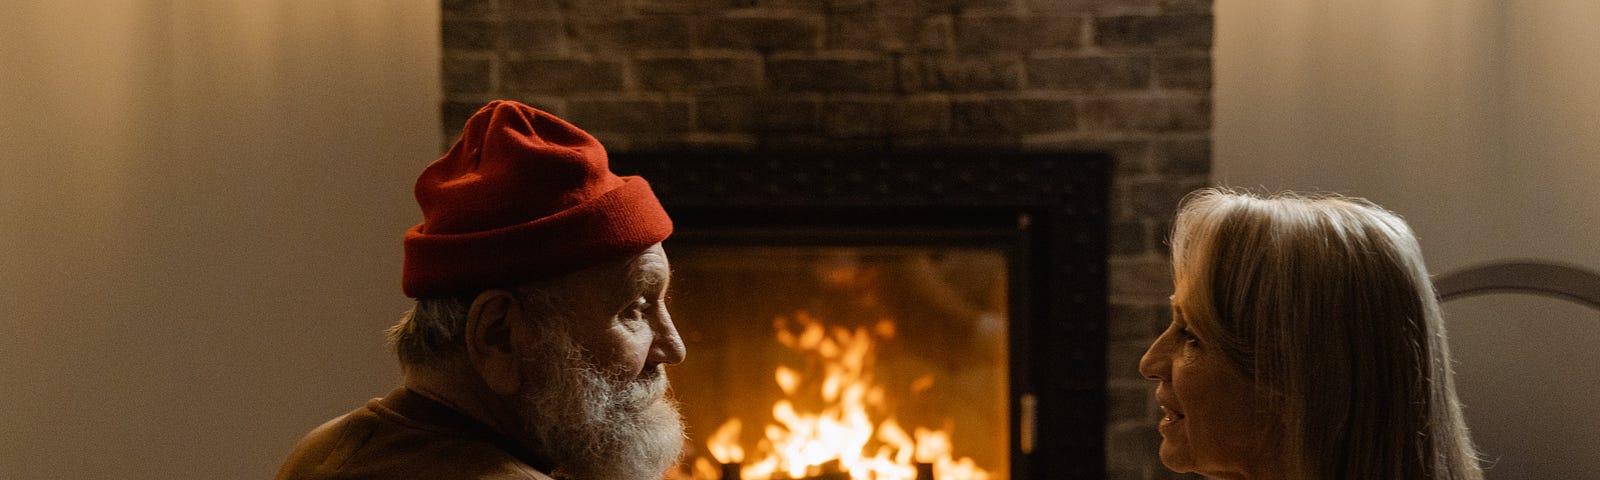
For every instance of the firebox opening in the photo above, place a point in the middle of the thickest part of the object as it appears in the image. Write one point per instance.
(832, 361)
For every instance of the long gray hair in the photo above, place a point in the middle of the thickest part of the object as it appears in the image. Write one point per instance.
(1326, 303)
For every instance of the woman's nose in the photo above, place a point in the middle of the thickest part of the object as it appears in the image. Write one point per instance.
(1153, 365)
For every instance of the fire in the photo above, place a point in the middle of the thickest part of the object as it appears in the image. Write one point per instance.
(847, 435)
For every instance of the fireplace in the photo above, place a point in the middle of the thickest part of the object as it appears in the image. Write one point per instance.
(905, 315)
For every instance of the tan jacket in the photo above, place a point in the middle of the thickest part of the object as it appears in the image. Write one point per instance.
(407, 435)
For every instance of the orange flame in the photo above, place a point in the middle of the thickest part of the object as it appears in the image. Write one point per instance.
(843, 436)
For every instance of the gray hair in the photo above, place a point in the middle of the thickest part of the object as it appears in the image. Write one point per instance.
(1326, 303)
(435, 329)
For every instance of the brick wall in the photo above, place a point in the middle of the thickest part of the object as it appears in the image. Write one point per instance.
(1132, 77)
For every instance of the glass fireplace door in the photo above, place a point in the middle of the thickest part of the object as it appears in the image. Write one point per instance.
(843, 362)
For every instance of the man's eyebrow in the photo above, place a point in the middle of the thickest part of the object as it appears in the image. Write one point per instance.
(644, 278)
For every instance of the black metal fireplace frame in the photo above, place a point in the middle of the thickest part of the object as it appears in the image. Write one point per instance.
(1054, 203)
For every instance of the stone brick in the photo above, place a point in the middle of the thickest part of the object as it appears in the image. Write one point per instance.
(1153, 32)
(951, 73)
(779, 114)
(688, 6)
(1132, 445)
(855, 118)
(979, 33)
(1130, 402)
(468, 34)
(1122, 358)
(1183, 157)
(1186, 6)
(539, 36)
(698, 74)
(1012, 116)
(1089, 74)
(1190, 72)
(464, 7)
(1128, 237)
(614, 34)
(1088, 6)
(866, 74)
(1158, 199)
(850, 6)
(1148, 114)
(1140, 277)
(453, 115)
(1137, 322)
(630, 116)
(890, 33)
(556, 8)
(561, 76)
(813, 6)
(465, 75)
(761, 33)
(921, 116)
(916, 7)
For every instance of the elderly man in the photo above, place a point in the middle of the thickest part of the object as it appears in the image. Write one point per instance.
(537, 345)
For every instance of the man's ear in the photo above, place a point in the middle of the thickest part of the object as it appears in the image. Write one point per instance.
(491, 345)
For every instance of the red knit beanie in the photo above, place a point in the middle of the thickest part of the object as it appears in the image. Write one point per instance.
(523, 196)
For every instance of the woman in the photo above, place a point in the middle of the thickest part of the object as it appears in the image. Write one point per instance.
(1306, 343)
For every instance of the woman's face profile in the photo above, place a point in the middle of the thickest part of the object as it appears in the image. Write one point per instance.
(1210, 424)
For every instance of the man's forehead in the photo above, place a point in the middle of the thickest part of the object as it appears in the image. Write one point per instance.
(649, 269)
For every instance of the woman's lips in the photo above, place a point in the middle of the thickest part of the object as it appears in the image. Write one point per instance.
(1170, 416)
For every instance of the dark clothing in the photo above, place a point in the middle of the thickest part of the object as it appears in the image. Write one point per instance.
(407, 435)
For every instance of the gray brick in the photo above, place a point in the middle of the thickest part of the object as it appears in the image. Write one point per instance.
(464, 7)
(759, 115)
(831, 75)
(891, 33)
(454, 115)
(1190, 72)
(1153, 32)
(556, 8)
(813, 6)
(1138, 322)
(699, 74)
(1148, 115)
(1158, 199)
(1186, 6)
(1132, 446)
(1129, 237)
(630, 116)
(762, 33)
(953, 73)
(687, 6)
(538, 35)
(1183, 157)
(926, 116)
(1012, 116)
(1141, 278)
(1017, 33)
(1122, 358)
(561, 76)
(611, 34)
(855, 119)
(469, 75)
(1089, 74)
(468, 34)
(1125, 403)
(1091, 6)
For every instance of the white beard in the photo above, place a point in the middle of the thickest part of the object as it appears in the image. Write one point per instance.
(595, 428)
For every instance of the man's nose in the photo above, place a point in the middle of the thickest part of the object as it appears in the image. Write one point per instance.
(668, 347)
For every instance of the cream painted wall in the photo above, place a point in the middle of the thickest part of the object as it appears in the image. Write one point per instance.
(1474, 119)
(201, 205)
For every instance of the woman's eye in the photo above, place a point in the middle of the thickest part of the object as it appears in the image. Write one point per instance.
(1188, 337)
